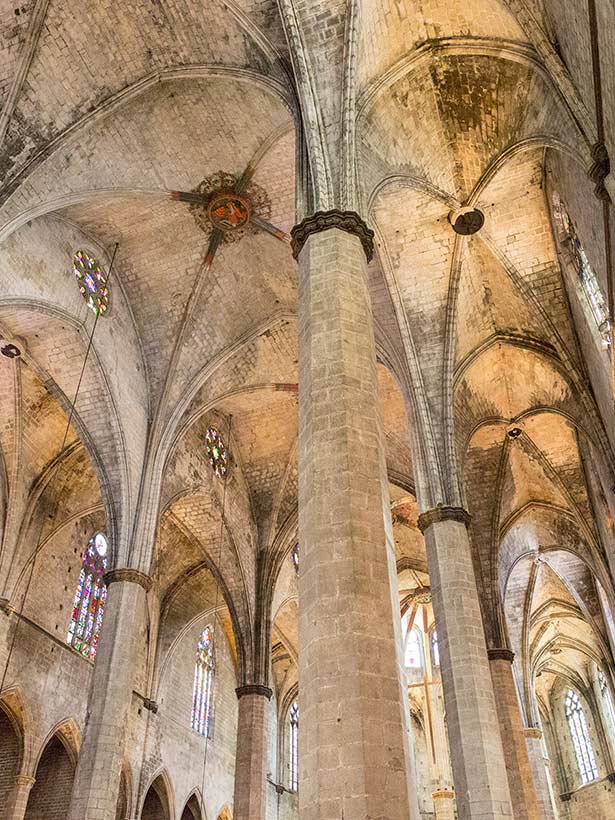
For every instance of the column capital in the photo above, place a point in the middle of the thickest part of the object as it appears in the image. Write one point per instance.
(443, 513)
(533, 732)
(443, 793)
(501, 653)
(23, 780)
(130, 576)
(253, 689)
(348, 221)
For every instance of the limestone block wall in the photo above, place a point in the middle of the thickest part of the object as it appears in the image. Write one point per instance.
(191, 761)
(596, 800)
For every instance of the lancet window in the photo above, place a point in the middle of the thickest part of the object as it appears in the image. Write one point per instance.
(89, 600)
(202, 695)
(581, 740)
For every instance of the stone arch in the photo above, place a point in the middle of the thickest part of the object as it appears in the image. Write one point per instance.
(192, 809)
(158, 802)
(124, 799)
(11, 751)
(50, 795)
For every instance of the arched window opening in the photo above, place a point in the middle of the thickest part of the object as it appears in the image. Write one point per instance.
(587, 278)
(203, 684)
(581, 741)
(413, 657)
(296, 557)
(89, 600)
(435, 649)
(293, 715)
(607, 699)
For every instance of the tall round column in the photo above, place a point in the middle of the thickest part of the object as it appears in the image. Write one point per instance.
(479, 770)
(518, 766)
(355, 759)
(97, 778)
(251, 755)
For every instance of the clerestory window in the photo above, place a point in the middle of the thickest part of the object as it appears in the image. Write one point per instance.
(89, 600)
(202, 694)
(579, 732)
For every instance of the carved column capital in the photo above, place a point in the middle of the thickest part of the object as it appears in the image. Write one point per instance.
(501, 653)
(443, 513)
(253, 689)
(533, 732)
(348, 221)
(131, 576)
(24, 781)
(443, 793)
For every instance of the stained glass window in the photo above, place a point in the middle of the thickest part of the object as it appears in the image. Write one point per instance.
(587, 277)
(296, 557)
(293, 716)
(92, 281)
(202, 695)
(606, 698)
(216, 452)
(413, 650)
(581, 741)
(89, 600)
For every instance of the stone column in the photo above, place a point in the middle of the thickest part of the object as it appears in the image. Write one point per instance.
(18, 798)
(355, 759)
(97, 778)
(479, 770)
(444, 804)
(540, 774)
(251, 755)
(520, 776)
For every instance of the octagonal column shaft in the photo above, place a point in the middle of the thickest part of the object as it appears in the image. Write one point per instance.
(97, 778)
(518, 766)
(251, 755)
(539, 763)
(355, 759)
(479, 770)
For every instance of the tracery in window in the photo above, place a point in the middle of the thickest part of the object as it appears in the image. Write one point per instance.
(92, 281)
(607, 698)
(413, 658)
(216, 452)
(587, 278)
(203, 684)
(89, 600)
(293, 717)
(581, 741)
